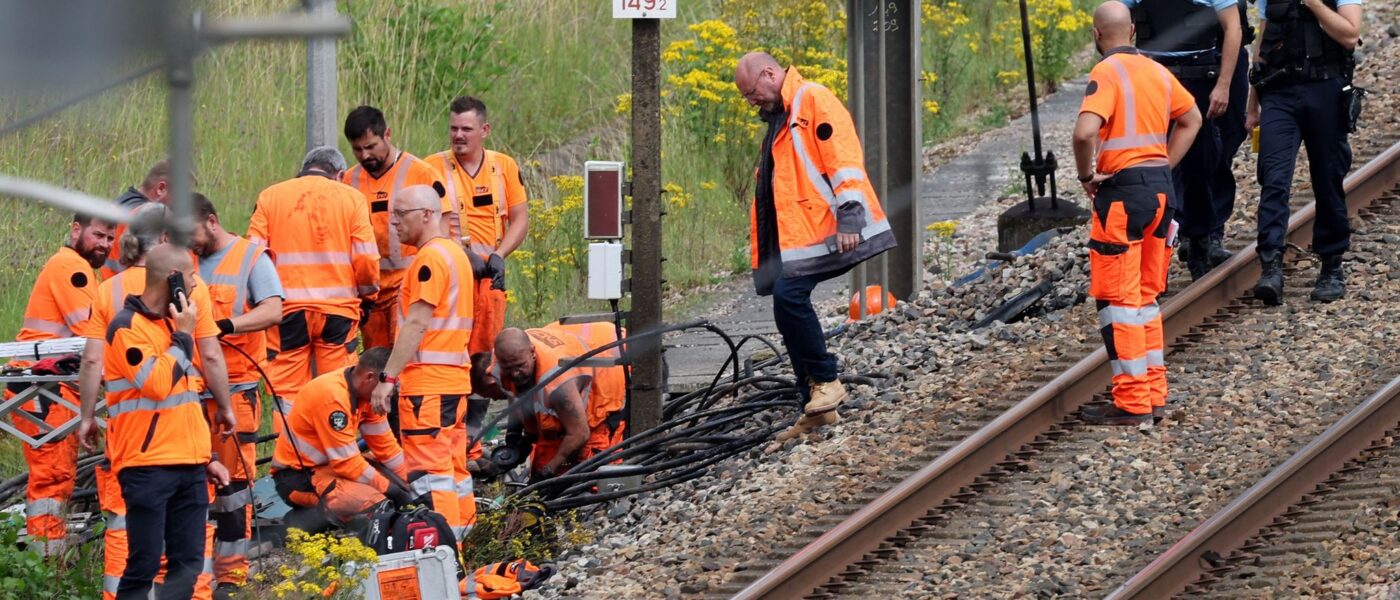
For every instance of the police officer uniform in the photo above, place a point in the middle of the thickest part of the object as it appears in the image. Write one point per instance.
(1187, 37)
(1301, 84)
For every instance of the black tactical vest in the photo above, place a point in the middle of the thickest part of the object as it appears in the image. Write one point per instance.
(1294, 40)
(1176, 26)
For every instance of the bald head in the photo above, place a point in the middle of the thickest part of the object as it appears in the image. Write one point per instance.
(164, 258)
(417, 215)
(1113, 25)
(759, 78)
(418, 197)
(515, 355)
(512, 342)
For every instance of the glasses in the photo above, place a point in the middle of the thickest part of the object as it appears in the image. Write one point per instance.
(403, 213)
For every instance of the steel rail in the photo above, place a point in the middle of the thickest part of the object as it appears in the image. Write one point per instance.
(1225, 531)
(947, 478)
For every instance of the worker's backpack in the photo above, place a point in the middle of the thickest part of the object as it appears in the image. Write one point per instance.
(391, 530)
(507, 578)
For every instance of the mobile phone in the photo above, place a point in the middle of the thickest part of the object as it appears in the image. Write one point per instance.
(176, 281)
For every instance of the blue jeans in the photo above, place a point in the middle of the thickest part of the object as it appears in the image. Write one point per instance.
(801, 330)
(1309, 113)
(166, 508)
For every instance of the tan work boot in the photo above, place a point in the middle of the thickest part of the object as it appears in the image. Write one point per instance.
(806, 424)
(826, 396)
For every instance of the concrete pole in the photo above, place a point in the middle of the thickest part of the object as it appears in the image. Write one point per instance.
(646, 222)
(180, 106)
(321, 117)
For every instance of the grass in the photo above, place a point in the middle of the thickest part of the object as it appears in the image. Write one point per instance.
(550, 71)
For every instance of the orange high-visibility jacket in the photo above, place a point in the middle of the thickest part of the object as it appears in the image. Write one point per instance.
(1137, 99)
(379, 193)
(228, 290)
(61, 299)
(154, 416)
(441, 275)
(820, 185)
(483, 201)
(131, 199)
(325, 422)
(111, 297)
(603, 389)
(322, 243)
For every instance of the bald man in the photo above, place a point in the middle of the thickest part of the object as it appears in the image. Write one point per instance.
(1139, 121)
(430, 363)
(811, 152)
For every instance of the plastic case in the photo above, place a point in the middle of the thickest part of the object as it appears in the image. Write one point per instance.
(427, 574)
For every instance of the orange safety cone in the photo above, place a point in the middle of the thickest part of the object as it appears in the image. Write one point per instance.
(873, 302)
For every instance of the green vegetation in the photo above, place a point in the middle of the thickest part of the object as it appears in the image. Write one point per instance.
(74, 575)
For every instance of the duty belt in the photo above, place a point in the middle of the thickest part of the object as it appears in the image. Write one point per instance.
(1194, 72)
(1265, 77)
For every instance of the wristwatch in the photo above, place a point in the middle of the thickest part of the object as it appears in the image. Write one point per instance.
(1086, 178)
(387, 378)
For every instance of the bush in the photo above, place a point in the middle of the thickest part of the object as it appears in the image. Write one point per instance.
(518, 528)
(75, 575)
(322, 565)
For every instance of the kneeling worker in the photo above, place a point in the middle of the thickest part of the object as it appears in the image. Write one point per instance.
(573, 416)
(318, 462)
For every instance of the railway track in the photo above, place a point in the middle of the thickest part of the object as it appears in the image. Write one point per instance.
(840, 552)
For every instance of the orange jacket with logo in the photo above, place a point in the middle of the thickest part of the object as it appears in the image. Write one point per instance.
(111, 297)
(228, 292)
(326, 422)
(820, 186)
(483, 201)
(154, 416)
(322, 243)
(603, 389)
(61, 299)
(379, 193)
(1138, 99)
(441, 275)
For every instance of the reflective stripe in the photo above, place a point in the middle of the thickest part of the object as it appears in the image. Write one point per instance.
(118, 385)
(822, 249)
(462, 533)
(257, 240)
(1129, 98)
(77, 316)
(49, 327)
(855, 195)
(814, 176)
(364, 248)
(1156, 358)
(464, 487)
(284, 405)
(847, 174)
(380, 428)
(343, 452)
(116, 522)
(320, 293)
(234, 548)
(110, 582)
(314, 258)
(394, 463)
(1124, 315)
(395, 248)
(366, 290)
(208, 566)
(451, 323)
(366, 475)
(432, 483)
(1136, 367)
(1131, 138)
(482, 249)
(44, 506)
(232, 502)
(144, 404)
(1125, 142)
(308, 452)
(442, 358)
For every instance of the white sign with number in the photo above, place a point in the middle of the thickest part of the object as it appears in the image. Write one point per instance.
(644, 9)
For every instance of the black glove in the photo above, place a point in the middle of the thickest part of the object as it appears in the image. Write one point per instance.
(401, 495)
(366, 307)
(479, 269)
(497, 266)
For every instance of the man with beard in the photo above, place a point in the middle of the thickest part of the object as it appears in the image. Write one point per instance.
(61, 299)
(247, 300)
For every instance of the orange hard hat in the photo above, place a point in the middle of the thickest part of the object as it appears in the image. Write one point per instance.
(873, 302)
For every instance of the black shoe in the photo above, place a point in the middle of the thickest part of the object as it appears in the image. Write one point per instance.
(1218, 253)
(1197, 257)
(1269, 290)
(1109, 414)
(1158, 413)
(1331, 280)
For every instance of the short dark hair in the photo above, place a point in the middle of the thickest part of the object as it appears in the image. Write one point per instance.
(159, 172)
(374, 359)
(85, 220)
(203, 207)
(365, 119)
(464, 104)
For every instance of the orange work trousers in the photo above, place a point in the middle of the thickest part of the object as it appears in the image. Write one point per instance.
(1128, 261)
(382, 327)
(488, 317)
(231, 508)
(307, 344)
(601, 437)
(52, 470)
(434, 438)
(115, 546)
(342, 498)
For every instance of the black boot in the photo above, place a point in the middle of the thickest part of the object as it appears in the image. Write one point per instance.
(1108, 414)
(1269, 290)
(1331, 281)
(1218, 253)
(1197, 257)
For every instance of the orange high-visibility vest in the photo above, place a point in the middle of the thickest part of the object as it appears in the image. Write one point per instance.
(154, 416)
(483, 208)
(325, 423)
(379, 194)
(228, 290)
(819, 168)
(441, 275)
(322, 243)
(61, 299)
(1137, 99)
(603, 389)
